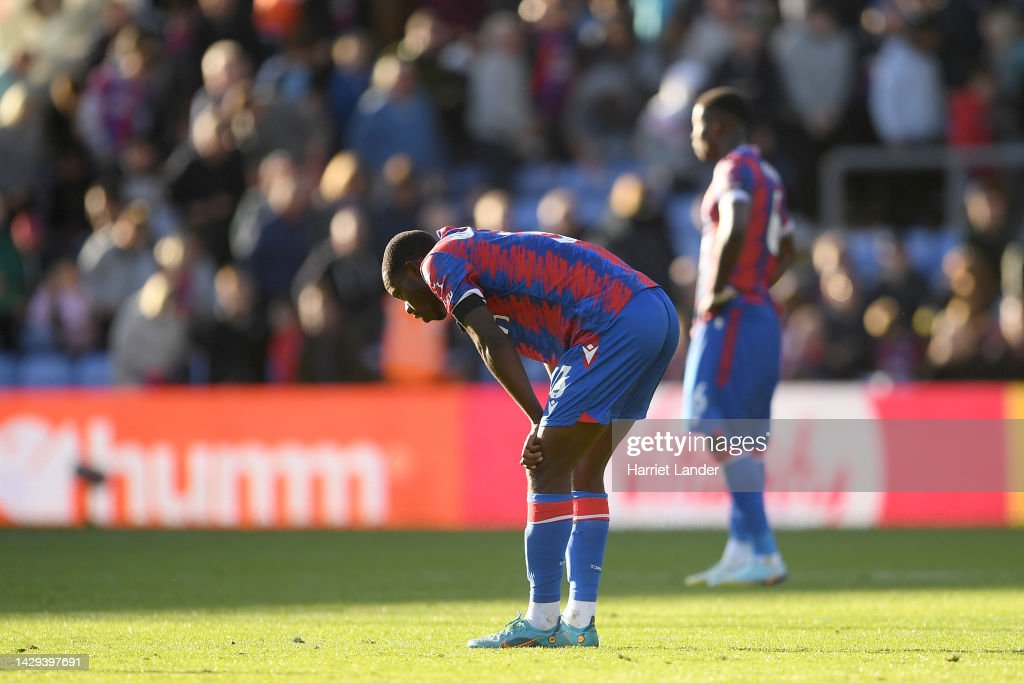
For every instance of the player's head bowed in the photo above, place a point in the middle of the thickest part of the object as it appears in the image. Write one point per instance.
(720, 121)
(400, 269)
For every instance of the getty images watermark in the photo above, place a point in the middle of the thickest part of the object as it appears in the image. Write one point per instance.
(676, 445)
(857, 455)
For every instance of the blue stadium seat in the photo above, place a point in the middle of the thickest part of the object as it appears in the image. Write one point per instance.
(536, 179)
(44, 370)
(35, 340)
(8, 370)
(93, 370)
(860, 250)
(926, 249)
(524, 214)
(578, 180)
(590, 208)
(465, 178)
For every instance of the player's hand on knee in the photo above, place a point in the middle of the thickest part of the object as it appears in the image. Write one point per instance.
(533, 454)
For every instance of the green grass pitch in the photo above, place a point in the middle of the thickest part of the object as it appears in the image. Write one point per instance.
(860, 606)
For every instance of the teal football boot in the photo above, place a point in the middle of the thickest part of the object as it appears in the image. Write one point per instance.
(517, 633)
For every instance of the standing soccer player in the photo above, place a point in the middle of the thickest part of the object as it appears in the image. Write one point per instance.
(606, 334)
(732, 365)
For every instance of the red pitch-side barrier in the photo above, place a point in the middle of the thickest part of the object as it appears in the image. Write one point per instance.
(438, 456)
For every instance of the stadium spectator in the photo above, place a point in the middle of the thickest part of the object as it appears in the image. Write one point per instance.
(325, 357)
(207, 180)
(440, 63)
(116, 261)
(149, 341)
(190, 273)
(499, 113)
(282, 241)
(69, 166)
(96, 98)
(352, 56)
(235, 339)
(554, 67)
(816, 58)
(605, 100)
(556, 213)
(22, 146)
(972, 110)
(1011, 311)
(142, 180)
(712, 35)
(59, 316)
(343, 183)
(13, 286)
(224, 66)
(842, 296)
(966, 341)
(395, 117)
(347, 272)
(988, 220)
(284, 346)
(804, 344)
(118, 104)
(396, 200)
(751, 70)
(288, 74)
(896, 277)
(906, 95)
(662, 137)
(634, 229)
(253, 207)
(16, 70)
(226, 20)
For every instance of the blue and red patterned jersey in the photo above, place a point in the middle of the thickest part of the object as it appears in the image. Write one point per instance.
(547, 292)
(744, 174)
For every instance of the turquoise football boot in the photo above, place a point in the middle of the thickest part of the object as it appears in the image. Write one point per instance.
(570, 636)
(517, 633)
(758, 571)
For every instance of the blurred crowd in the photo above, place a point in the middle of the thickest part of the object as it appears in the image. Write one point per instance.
(202, 189)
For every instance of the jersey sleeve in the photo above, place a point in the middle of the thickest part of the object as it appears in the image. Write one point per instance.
(450, 277)
(738, 179)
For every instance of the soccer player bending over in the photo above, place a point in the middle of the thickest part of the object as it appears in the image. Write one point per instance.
(732, 364)
(606, 333)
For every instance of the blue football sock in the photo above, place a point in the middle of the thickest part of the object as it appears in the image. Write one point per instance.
(737, 527)
(547, 534)
(585, 552)
(745, 476)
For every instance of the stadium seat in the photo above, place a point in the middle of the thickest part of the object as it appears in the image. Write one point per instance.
(536, 179)
(8, 370)
(36, 340)
(524, 214)
(463, 179)
(926, 249)
(860, 250)
(44, 370)
(93, 370)
(590, 208)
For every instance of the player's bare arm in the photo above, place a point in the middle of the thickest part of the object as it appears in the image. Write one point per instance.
(502, 360)
(734, 217)
(785, 258)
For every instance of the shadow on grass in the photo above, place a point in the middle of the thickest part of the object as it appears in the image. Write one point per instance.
(98, 570)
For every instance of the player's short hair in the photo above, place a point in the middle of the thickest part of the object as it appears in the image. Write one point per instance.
(725, 100)
(411, 245)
